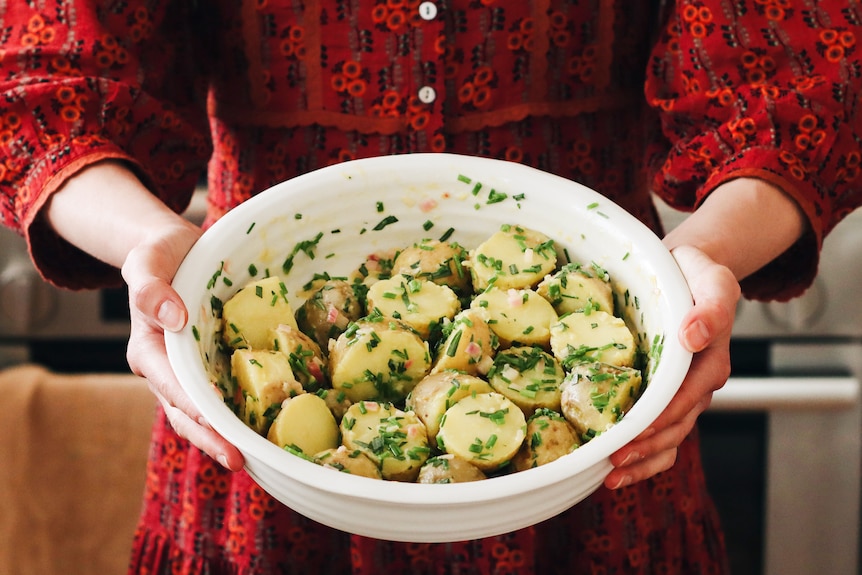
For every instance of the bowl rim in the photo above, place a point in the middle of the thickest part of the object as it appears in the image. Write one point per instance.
(192, 377)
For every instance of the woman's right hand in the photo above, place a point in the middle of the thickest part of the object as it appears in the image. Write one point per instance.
(148, 243)
(155, 308)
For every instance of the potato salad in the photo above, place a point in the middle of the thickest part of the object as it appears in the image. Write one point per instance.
(436, 363)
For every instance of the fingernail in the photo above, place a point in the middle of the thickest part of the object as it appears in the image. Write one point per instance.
(630, 458)
(222, 459)
(697, 335)
(624, 481)
(170, 316)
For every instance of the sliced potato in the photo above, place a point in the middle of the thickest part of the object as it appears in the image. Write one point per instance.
(329, 310)
(437, 392)
(517, 315)
(593, 336)
(432, 260)
(304, 355)
(420, 304)
(392, 438)
(250, 314)
(484, 429)
(448, 468)
(305, 424)
(596, 395)
(549, 437)
(529, 376)
(514, 257)
(265, 380)
(354, 462)
(379, 359)
(469, 344)
(575, 287)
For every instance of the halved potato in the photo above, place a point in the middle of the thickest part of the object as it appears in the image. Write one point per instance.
(517, 315)
(514, 257)
(423, 305)
(469, 344)
(305, 424)
(437, 392)
(354, 462)
(593, 336)
(575, 287)
(432, 260)
(328, 311)
(379, 359)
(392, 438)
(596, 395)
(304, 355)
(529, 376)
(265, 379)
(484, 429)
(253, 311)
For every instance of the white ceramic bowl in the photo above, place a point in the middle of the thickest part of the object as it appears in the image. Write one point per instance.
(346, 203)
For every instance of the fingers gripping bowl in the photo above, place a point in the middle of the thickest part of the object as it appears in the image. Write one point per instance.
(329, 221)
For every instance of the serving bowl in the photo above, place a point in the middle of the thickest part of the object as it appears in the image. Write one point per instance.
(330, 220)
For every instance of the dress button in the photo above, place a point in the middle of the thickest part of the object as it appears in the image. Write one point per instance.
(428, 10)
(427, 94)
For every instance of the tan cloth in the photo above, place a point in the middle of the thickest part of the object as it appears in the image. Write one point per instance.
(73, 451)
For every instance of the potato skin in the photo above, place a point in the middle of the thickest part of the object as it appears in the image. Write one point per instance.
(304, 355)
(353, 462)
(328, 312)
(595, 396)
(440, 262)
(448, 468)
(549, 437)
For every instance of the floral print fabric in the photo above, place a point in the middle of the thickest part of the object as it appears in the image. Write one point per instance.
(622, 96)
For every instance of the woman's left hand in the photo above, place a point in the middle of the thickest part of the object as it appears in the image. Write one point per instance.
(705, 331)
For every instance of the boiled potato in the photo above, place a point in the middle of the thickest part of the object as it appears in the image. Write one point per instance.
(432, 260)
(575, 287)
(265, 380)
(593, 336)
(337, 402)
(305, 424)
(420, 304)
(596, 395)
(392, 438)
(514, 257)
(448, 468)
(529, 376)
(517, 315)
(468, 346)
(437, 392)
(329, 310)
(549, 437)
(484, 429)
(379, 359)
(254, 310)
(353, 462)
(306, 359)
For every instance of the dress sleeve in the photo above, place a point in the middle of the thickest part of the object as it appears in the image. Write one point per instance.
(767, 89)
(87, 81)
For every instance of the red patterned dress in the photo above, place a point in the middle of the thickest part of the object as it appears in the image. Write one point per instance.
(613, 94)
